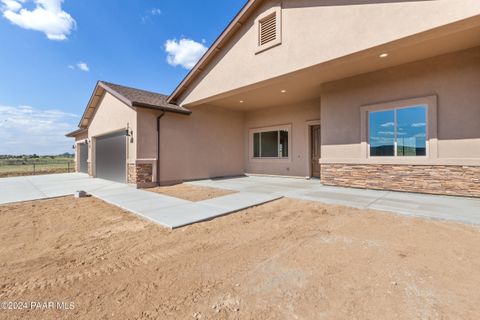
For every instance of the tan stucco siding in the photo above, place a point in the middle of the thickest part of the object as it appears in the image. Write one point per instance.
(81, 136)
(147, 133)
(208, 143)
(113, 115)
(316, 31)
(454, 79)
(297, 116)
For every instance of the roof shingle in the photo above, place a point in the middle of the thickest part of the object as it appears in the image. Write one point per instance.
(141, 98)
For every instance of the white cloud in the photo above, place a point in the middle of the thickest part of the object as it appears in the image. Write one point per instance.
(83, 66)
(387, 124)
(185, 52)
(47, 17)
(11, 5)
(156, 12)
(27, 130)
(386, 133)
(418, 125)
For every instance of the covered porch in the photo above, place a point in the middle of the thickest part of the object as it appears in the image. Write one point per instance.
(312, 122)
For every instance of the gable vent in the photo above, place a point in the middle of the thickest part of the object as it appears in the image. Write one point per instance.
(268, 29)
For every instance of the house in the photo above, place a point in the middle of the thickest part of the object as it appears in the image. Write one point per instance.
(378, 94)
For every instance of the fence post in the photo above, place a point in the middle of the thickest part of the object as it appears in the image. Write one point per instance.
(34, 168)
(68, 167)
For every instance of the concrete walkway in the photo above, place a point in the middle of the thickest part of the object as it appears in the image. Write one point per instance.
(168, 211)
(461, 209)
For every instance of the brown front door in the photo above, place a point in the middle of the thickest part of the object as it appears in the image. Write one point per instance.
(315, 150)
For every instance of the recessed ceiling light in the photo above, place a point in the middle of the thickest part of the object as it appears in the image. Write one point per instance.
(383, 55)
(283, 91)
(241, 101)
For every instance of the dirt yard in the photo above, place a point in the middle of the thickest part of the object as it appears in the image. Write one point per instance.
(29, 172)
(190, 192)
(284, 260)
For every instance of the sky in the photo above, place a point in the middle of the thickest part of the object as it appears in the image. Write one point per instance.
(52, 52)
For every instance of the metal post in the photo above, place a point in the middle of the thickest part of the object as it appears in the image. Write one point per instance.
(34, 168)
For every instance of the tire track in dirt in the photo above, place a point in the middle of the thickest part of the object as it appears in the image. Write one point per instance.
(62, 282)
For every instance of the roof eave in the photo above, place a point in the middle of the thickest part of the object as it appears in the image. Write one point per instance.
(75, 133)
(166, 109)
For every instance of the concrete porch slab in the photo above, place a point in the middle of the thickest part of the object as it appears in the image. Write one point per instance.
(461, 209)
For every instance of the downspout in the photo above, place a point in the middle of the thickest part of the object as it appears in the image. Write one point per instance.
(158, 147)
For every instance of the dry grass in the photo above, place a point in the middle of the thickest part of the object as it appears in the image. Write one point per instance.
(287, 259)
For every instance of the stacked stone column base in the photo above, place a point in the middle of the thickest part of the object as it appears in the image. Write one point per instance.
(140, 174)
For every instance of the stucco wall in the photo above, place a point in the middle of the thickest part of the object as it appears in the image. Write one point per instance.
(208, 143)
(453, 78)
(113, 115)
(295, 115)
(316, 31)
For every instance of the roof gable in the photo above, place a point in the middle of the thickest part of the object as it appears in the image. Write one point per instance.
(314, 32)
(132, 97)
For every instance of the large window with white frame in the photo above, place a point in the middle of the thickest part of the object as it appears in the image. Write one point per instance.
(398, 132)
(270, 143)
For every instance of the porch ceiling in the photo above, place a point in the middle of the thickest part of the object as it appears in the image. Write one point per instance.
(305, 84)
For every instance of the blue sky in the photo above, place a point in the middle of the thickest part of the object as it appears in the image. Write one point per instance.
(53, 52)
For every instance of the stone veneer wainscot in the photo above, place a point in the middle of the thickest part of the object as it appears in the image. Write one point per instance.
(434, 179)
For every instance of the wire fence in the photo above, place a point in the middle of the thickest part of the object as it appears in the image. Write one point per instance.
(22, 167)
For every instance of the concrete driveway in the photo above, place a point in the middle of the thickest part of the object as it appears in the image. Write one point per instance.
(168, 211)
(461, 209)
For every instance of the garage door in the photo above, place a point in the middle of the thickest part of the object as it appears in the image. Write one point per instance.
(110, 157)
(83, 157)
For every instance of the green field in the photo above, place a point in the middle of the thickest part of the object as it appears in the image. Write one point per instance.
(33, 166)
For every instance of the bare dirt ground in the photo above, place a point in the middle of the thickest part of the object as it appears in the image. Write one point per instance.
(190, 192)
(287, 259)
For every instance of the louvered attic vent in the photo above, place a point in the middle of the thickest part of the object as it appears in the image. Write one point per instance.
(268, 29)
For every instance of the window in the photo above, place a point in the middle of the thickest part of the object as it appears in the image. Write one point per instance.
(269, 29)
(399, 132)
(270, 144)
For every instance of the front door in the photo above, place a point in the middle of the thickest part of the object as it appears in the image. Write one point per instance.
(315, 150)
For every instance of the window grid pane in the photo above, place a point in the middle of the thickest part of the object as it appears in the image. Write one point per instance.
(382, 133)
(411, 131)
(283, 145)
(256, 145)
(269, 144)
(398, 132)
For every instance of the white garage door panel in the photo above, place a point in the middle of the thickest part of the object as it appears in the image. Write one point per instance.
(110, 157)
